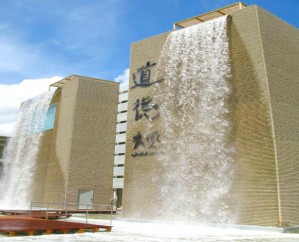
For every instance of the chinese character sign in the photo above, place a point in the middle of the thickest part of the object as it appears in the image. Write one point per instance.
(142, 77)
(145, 145)
(145, 108)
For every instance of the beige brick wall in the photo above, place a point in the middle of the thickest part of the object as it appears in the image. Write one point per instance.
(93, 140)
(49, 182)
(78, 153)
(280, 47)
(139, 191)
(38, 186)
(57, 169)
(263, 60)
(254, 189)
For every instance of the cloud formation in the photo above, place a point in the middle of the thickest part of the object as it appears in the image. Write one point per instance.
(12, 95)
(123, 78)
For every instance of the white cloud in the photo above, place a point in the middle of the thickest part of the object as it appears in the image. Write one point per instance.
(124, 77)
(6, 129)
(12, 95)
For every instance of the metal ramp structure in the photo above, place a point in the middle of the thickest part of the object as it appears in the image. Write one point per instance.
(209, 15)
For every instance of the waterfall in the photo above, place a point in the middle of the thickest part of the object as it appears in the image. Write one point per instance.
(21, 153)
(195, 128)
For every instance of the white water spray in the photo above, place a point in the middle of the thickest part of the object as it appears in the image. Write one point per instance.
(195, 127)
(21, 153)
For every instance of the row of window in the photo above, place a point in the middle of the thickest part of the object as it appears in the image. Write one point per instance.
(120, 139)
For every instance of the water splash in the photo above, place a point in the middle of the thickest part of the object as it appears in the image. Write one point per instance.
(195, 127)
(21, 153)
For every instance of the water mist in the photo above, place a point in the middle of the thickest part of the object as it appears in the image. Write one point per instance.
(193, 96)
(21, 153)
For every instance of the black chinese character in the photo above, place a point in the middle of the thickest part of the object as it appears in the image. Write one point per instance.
(136, 109)
(149, 147)
(152, 139)
(138, 141)
(144, 77)
(145, 108)
(150, 111)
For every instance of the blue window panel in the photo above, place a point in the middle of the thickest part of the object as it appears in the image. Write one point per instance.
(50, 119)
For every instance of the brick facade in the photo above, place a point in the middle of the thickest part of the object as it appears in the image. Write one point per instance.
(79, 152)
(264, 110)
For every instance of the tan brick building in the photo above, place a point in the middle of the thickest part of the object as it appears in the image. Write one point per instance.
(76, 156)
(264, 52)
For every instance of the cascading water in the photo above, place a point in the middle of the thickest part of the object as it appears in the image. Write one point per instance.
(21, 153)
(195, 129)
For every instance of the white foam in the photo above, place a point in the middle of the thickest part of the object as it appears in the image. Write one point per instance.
(21, 153)
(195, 126)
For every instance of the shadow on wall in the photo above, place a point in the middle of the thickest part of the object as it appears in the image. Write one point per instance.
(254, 187)
(49, 179)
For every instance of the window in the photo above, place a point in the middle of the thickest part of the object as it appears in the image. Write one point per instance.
(1, 151)
(36, 126)
(50, 119)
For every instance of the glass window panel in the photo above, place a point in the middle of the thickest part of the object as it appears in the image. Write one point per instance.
(118, 182)
(50, 119)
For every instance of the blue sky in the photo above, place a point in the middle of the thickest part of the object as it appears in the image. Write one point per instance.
(46, 39)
